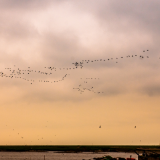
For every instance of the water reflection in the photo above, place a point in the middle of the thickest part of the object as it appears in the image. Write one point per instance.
(60, 156)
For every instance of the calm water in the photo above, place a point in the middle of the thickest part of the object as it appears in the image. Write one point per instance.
(60, 156)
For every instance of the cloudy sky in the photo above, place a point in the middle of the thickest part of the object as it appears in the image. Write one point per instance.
(70, 66)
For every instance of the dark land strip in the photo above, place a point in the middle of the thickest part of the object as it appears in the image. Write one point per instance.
(78, 148)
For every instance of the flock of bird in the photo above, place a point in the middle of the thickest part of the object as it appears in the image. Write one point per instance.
(28, 74)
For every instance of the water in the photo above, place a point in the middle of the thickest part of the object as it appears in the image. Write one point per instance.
(60, 156)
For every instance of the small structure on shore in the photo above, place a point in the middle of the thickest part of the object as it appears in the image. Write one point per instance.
(111, 158)
(148, 154)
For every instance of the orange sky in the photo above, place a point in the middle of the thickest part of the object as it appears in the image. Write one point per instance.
(67, 105)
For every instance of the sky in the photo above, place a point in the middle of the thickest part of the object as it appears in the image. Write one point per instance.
(79, 72)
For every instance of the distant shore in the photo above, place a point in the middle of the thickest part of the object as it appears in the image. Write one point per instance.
(77, 148)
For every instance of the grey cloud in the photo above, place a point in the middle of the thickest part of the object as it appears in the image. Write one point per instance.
(151, 90)
(15, 30)
(126, 17)
(113, 91)
(62, 48)
(132, 11)
(25, 4)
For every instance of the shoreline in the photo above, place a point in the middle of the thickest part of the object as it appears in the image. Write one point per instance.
(78, 148)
